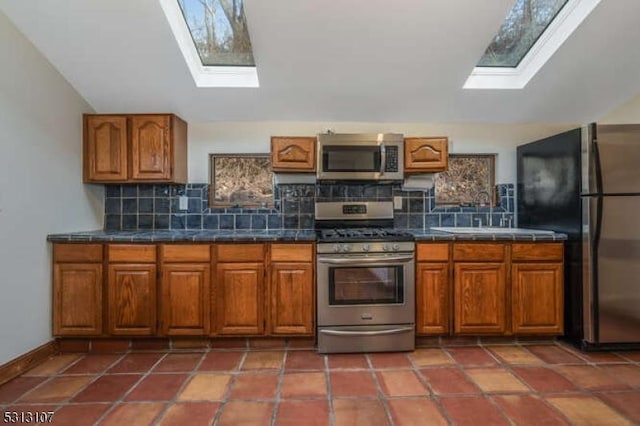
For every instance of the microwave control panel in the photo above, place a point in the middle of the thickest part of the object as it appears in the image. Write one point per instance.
(392, 159)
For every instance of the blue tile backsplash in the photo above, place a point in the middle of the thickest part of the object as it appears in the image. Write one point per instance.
(149, 206)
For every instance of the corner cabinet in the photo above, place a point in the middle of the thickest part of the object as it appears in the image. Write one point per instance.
(134, 148)
(293, 154)
(425, 155)
(77, 289)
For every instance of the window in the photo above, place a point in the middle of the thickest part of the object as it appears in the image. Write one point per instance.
(213, 36)
(240, 180)
(530, 34)
(469, 180)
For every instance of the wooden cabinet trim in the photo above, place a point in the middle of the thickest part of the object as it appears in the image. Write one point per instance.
(292, 299)
(79, 253)
(544, 283)
(433, 295)
(247, 315)
(432, 252)
(135, 253)
(132, 317)
(185, 253)
(537, 251)
(240, 252)
(105, 149)
(479, 252)
(295, 252)
(77, 299)
(185, 312)
(425, 155)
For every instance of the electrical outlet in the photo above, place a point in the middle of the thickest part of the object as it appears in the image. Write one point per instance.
(183, 202)
(397, 203)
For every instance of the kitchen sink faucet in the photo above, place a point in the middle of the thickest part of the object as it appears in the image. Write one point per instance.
(476, 201)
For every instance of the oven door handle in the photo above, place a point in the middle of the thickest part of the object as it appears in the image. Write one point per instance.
(366, 333)
(353, 261)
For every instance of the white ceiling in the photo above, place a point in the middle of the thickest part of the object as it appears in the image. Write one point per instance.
(348, 60)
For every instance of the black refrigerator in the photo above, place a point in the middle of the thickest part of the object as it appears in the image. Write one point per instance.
(586, 183)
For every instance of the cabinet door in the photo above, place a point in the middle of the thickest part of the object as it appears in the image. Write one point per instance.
(150, 147)
(184, 304)
(537, 306)
(293, 154)
(432, 297)
(105, 148)
(479, 298)
(425, 155)
(132, 299)
(77, 299)
(292, 298)
(240, 298)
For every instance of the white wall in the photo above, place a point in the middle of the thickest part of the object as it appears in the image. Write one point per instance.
(627, 113)
(41, 188)
(253, 137)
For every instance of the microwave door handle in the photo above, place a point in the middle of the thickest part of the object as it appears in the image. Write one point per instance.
(383, 158)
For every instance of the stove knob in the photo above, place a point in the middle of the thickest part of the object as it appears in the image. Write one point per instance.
(385, 247)
(365, 247)
(346, 247)
(336, 248)
(396, 247)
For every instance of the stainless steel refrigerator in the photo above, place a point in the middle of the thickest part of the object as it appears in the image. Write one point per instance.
(586, 183)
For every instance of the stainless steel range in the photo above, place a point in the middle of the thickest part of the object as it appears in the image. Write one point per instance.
(366, 283)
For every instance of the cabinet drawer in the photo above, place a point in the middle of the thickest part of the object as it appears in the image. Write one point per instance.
(240, 253)
(185, 252)
(291, 252)
(480, 251)
(77, 253)
(536, 251)
(433, 252)
(133, 253)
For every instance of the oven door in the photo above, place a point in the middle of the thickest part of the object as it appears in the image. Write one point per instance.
(359, 160)
(366, 290)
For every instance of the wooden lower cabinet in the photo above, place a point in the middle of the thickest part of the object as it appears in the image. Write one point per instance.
(132, 299)
(292, 298)
(480, 298)
(185, 299)
(239, 299)
(77, 299)
(537, 302)
(432, 296)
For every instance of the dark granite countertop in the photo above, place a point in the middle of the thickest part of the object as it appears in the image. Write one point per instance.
(273, 235)
(184, 235)
(430, 235)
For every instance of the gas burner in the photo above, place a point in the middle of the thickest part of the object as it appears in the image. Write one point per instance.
(364, 234)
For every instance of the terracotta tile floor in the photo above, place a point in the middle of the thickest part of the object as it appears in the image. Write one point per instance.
(521, 384)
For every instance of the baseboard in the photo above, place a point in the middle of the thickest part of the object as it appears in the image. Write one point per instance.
(27, 361)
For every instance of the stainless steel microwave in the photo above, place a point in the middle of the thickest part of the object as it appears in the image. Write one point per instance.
(360, 156)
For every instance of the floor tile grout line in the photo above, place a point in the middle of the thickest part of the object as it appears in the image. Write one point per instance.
(432, 394)
(327, 375)
(278, 389)
(186, 381)
(230, 385)
(116, 403)
(381, 396)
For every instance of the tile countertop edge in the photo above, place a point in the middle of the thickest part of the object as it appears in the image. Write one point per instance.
(180, 236)
(274, 235)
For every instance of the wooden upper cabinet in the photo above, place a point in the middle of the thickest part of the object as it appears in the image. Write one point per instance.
(537, 298)
(425, 155)
(479, 298)
(135, 148)
(105, 148)
(293, 154)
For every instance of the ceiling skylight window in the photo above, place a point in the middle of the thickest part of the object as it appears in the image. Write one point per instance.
(531, 33)
(214, 39)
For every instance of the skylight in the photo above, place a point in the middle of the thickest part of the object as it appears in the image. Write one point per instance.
(530, 34)
(214, 39)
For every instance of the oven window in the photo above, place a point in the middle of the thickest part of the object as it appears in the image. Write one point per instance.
(336, 158)
(366, 285)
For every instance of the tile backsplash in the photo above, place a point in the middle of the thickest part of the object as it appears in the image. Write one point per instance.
(156, 206)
